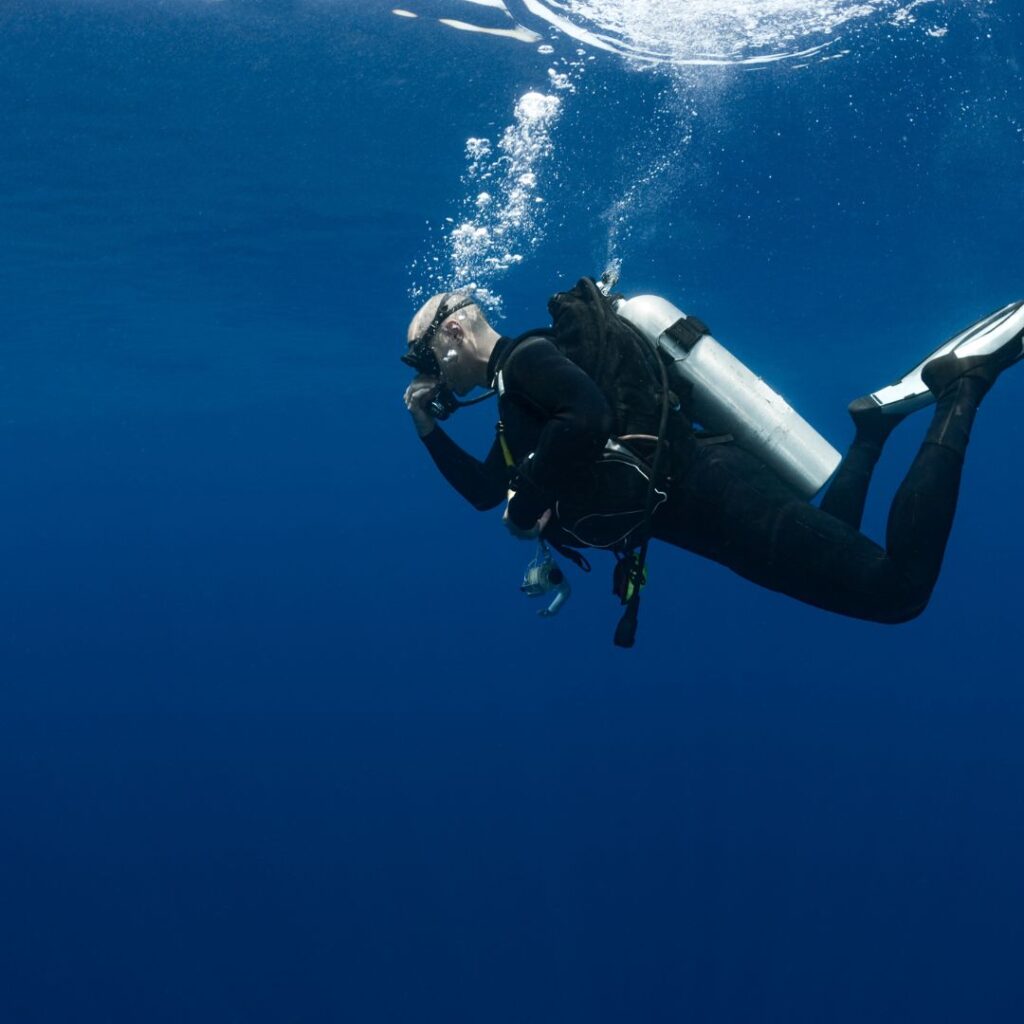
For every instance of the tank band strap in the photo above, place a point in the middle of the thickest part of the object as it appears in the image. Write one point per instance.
(687, 330)
(704, 440)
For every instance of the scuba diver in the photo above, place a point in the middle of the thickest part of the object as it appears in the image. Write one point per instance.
(599, 444)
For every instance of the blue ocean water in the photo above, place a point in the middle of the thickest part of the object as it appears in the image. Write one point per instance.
(280, 740)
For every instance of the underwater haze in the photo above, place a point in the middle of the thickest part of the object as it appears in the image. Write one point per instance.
(280, 738)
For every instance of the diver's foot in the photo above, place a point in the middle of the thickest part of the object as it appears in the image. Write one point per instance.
(940, 373)
(873, 422)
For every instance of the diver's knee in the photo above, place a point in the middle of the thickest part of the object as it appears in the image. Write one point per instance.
(904, 615)
(904, 608)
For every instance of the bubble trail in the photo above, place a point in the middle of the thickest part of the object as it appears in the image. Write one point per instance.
(502, 219)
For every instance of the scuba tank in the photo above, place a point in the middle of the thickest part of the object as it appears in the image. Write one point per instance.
(729, 399)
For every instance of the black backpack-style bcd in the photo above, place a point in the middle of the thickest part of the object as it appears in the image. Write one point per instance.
(651, 421)
(617, 358)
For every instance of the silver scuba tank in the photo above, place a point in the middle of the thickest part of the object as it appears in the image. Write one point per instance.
(728, 398)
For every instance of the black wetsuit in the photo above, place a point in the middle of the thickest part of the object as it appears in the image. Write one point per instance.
(724, 503)
(554, 420)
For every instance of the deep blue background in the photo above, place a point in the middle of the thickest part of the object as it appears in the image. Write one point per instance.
(279, 738)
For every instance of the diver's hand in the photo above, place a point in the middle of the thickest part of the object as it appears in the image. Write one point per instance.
(417, 397)
(520, 534)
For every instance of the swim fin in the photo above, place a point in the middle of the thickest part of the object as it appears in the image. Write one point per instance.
(909, 392)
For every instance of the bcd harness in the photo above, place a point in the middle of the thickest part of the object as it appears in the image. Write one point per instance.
(627, 488)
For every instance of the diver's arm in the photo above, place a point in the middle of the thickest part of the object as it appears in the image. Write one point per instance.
(483, 484)
(577, 424)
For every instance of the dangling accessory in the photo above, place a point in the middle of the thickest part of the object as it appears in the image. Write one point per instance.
(625, 632)
(543, 577)
(626, 576)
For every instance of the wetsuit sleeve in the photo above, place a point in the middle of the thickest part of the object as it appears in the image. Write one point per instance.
(483, 484)
(577, 424)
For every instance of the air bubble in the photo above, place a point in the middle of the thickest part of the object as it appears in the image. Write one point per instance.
(500, 223)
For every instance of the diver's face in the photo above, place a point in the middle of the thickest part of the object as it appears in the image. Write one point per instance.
(451, 349)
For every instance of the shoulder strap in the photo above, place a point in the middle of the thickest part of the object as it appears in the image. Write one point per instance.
(498, 384)
(498, 381)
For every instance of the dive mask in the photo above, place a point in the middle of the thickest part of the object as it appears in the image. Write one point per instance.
(422, 358)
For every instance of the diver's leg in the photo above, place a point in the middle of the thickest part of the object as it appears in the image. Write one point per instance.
(922, 512)
(986, 347)
(731, 508)
(848, 490)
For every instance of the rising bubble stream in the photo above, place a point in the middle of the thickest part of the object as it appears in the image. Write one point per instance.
(501, 220)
